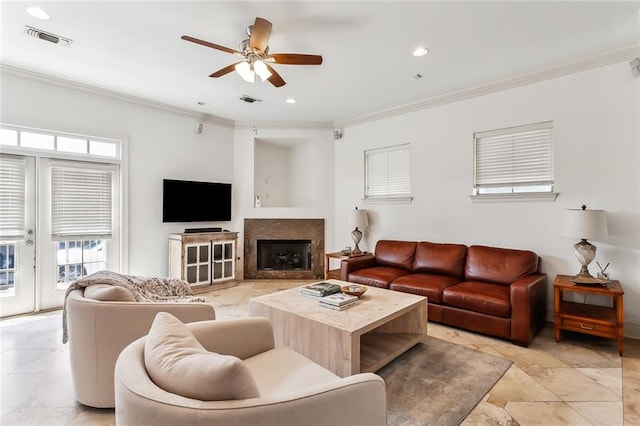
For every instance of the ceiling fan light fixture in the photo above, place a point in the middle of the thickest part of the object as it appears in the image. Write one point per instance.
(262, 70)
(244, 69)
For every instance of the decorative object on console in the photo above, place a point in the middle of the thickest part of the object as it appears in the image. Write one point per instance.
(359, 219)
(584, 224)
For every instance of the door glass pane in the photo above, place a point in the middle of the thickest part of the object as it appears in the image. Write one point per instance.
(7, 264)
(204, 253)
(228, 269)
(217, 252)
(192, 254)
(192, 274)
(76, 259)
(217, 271)
(204, 274)
(228, 251)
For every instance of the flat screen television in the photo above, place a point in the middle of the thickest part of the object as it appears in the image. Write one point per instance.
(190, 201)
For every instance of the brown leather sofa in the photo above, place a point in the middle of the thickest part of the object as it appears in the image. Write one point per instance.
(489, 290)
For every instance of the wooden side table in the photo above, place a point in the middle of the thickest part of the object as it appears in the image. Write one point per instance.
(589, 319)
(335, 273)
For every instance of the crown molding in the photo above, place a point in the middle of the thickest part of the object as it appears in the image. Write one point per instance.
(86, 88)
(571, 67)
(304, 125)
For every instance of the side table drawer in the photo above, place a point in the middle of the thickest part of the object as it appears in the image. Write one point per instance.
(587, 326)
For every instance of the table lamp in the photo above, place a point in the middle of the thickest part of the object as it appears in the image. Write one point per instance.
(584, 224)
(359, 219)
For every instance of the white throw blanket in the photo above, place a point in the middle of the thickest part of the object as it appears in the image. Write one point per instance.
(144, 289)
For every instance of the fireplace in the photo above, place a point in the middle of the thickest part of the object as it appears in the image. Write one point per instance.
(284, 249)
(284, 255)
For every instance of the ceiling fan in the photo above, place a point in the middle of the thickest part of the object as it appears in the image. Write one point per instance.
(255, 55)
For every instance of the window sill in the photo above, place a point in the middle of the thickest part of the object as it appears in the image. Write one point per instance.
(525, 196)
(388, 200)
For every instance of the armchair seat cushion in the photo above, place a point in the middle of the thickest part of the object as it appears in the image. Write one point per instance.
(428, 285)
(282, 371)
(378, 276)
(177, 362)
(482, 297)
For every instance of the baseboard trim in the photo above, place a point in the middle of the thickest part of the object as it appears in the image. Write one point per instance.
(632, 329)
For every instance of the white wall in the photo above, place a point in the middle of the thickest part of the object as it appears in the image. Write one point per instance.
(302, 188)
(597, 158)
(159, 144)
(318, 161)
(271, 169)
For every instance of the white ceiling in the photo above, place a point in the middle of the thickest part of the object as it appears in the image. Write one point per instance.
(135, 48)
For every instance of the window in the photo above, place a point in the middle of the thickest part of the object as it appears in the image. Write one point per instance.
(78, 258)
(516, 161)
(81, 219)
(40, 140)
(12, 197)
(387, 173)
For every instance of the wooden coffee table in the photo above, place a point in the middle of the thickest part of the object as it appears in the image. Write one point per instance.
(362, 338)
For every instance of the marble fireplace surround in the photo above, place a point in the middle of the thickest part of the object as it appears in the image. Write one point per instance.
(283, 229)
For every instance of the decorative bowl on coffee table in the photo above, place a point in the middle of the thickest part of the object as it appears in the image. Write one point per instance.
(353, 290)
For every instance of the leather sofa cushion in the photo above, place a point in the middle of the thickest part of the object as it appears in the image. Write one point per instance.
(499, 265)
(428, 285)
(108, 293)
(177, 362)
(438, 258)
(398, 254)
(378, 276)
(486, 298)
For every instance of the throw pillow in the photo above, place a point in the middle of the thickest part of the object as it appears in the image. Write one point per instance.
(108, 293)
(178, 363)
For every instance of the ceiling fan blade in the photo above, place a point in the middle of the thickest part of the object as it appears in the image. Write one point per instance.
(296, 59)
(275, 78)
(211, 45)
(224, 71)
(260, 34)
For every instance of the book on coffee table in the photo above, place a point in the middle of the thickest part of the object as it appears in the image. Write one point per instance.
(337, 308)
(320, 289)
(339, 299)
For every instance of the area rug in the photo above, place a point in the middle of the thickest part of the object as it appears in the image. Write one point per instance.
(438, 383)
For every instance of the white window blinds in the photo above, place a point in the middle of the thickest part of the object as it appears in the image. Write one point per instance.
(12, 197)
(514, 157)
(81, 202)
(387, 172)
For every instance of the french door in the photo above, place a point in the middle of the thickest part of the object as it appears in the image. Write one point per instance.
(17, 234)
(41, 251)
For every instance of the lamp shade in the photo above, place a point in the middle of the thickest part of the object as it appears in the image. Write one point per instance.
(359, 219)
(585, 224)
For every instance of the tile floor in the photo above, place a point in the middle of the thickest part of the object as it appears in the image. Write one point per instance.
(579, 381)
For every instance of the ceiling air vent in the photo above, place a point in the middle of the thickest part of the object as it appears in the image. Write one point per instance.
(249, 99)
(43, 35)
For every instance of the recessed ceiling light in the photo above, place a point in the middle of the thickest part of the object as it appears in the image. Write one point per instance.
(420, 51)
(36, 12)
(290, 101)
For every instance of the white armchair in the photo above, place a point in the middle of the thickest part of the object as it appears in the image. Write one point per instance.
(99, 330)
(293, 390)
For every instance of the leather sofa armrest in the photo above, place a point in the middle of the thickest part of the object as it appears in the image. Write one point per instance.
(242, 337)
(354, 263)
(528, 307)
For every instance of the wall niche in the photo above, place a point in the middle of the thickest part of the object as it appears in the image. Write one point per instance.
(281, 172)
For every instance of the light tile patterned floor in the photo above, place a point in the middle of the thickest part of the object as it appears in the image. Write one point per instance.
(580, 380)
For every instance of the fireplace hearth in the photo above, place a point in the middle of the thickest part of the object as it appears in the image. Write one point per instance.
(284, 249)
